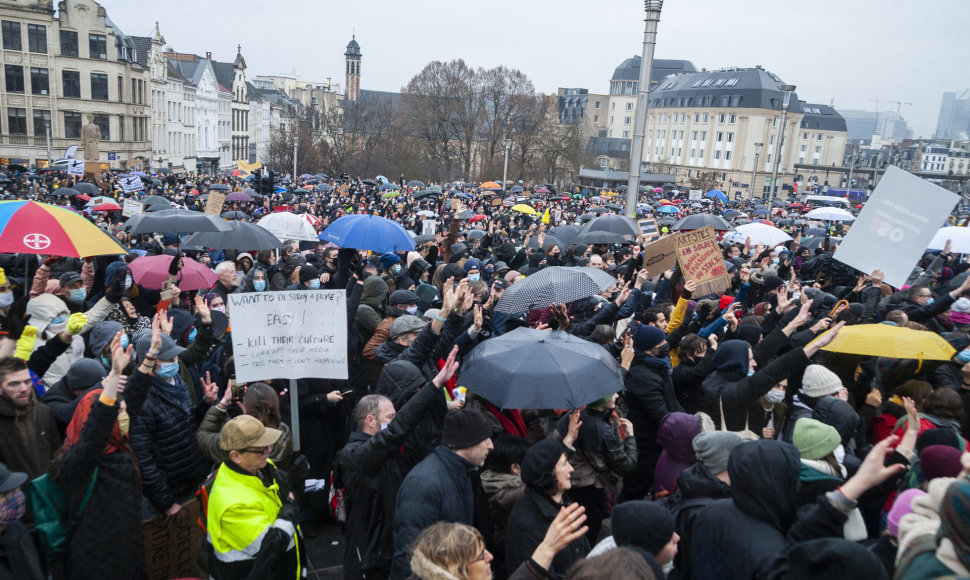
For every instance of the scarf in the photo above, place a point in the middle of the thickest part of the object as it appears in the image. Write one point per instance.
(74, 429)
(511, 420)
(954, 524)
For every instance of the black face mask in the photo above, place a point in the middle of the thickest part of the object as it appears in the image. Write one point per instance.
(664, 351)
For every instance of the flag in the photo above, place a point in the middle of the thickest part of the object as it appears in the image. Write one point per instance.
(545, 217)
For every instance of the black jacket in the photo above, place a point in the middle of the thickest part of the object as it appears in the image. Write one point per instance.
(688, 382)
(20, 558)
(369, 469)
(528, 522)
(649, 396)
(696, 489)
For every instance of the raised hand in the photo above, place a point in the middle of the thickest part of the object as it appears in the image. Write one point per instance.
(210, 389)
(448, 370)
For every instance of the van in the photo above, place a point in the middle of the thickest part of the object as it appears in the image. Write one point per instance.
(827, 201)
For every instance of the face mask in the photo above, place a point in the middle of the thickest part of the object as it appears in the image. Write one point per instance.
(221, 309)
(77, 295)
(930, 301)
(474, 277)
(168, 370)
(963, 356)
(106, 363)
(124, 342)
(384, 426)
(59, 320)
(259, 285)
(611, 267)
(750, 372)
(192, 335)
(664, 351)
(124, 422)
(411, 309)
(314, 284)
(775, 260)
(396, 269)
(128, 282)
(12, 508)
(774, 396)
(796, 296)
(6, 299)
(839, 453)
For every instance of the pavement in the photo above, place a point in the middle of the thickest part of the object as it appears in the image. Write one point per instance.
(325, 550)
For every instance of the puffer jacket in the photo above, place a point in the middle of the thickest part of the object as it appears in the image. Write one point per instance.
(503, 489)
(163, 439)
(696, 489)
(28, 437)
(601, 457)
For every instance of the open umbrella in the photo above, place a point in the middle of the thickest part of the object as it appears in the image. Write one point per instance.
(107, 207)
(234, 215)
(759, 234)
(219, 187)
(152, 271)
(238, 196)
(368, 232)
(556, 284)
(241, 236)
(28, 227)
(152, 200)
(548, 241)
(426, 193)
(959, 236)
(174, 220)
(476, 234)
(515, 189)
(617, 224)
(305, 176)
(87, 187)
(542, 190)
(390, 194)
(387, 186)
(889, 341)
(700, 220)
(523, 208)
(415, 183)
(66, 191)
(238, 173)
(535, 369)
(668, 209)
(566, 233)
(286, 225)
(491, 185)
(602, 237)
(716, 194)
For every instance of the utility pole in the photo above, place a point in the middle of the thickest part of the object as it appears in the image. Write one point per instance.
(652, 8)
(754, 168)
(505, 169)
(787, 91)
(296, 142)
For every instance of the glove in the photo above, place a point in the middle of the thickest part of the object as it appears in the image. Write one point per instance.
(300, 469)
(3, 277)
(76, 323)
(52, 260)
(289, 511)
(173, 266)
(25, 344)
(116, 288)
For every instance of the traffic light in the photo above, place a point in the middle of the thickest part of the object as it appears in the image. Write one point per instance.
(269, 182)
(258, 181)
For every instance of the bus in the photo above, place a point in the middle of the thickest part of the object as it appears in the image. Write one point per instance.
(827, 201)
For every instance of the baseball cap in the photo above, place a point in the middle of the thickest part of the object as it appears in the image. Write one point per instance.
(246, 431)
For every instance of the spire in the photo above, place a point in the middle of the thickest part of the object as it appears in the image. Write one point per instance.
(240, 61)
(157, 35)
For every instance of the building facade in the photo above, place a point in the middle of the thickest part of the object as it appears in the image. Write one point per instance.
(954, 118)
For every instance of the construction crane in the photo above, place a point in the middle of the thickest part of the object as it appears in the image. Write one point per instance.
(899, 105)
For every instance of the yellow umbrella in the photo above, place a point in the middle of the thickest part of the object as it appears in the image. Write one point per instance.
(525, 209)
(490, 185)
(891, 342)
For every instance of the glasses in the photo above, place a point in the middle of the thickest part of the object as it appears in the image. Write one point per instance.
(260, 451)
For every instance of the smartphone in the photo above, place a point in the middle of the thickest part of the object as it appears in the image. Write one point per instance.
(345, 393)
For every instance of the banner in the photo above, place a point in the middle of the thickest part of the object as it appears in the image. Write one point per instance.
(131, 183)
(248, 167)
(695, 195)
(75, 167)
(648, 227)
(172, 545)
(896, 225)
(292, 334)
(660, 256)
(701, 261)
(132, 207)
(213, 206)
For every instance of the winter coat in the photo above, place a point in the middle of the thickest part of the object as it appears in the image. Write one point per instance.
(528, 522)
(696, 489)
(503, 489)
(649, 396)
(601, 457)
(437, 489)
(369, 467)
(689, 379)
(207, 438)
(368, 315)
(676, 436)
(20, 559)
(28, 437)
(924, 552)
(163, 438)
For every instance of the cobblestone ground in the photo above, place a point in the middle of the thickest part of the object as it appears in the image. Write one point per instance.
(326, 551)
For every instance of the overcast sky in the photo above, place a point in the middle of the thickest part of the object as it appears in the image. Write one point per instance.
(846, 52)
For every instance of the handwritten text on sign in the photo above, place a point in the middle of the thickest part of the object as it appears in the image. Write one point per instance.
(701, 261)
(293, 334)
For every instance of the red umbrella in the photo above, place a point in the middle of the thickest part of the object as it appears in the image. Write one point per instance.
(83, 197)
(766, 222)
(477, 218)
(106, 207)
(152, 271)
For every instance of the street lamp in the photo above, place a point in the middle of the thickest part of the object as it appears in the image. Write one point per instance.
(787, 91)
(754, 168)
(652, 8)
(505, 168)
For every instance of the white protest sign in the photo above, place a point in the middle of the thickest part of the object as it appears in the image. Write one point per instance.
(428, 227)
(896, 225)
(75, 167)
(131, 183)
(695, 195)
(292, 334)
(132, 207)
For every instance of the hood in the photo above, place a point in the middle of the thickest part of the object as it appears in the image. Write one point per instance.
(697, 481)
(676, 435)
(182, 321)
(764, 476)
(838, 414)
(43, 309)
(374, 292)
(732, 357)
(111, 269)
(399, 381)
(388, 351)
(101, 335)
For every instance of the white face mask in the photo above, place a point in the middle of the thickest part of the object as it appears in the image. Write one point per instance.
(384, 426)
(6, 299)
(412, 309)
(840, 454)
(775, 396)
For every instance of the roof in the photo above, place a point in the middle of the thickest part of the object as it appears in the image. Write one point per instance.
(629, 70)
(571, 105)
(143, 46)
(609, 146)
(752, 88)
(371, 112)
(225, 74)
(821, 118)
(353, 49)
(624, 176)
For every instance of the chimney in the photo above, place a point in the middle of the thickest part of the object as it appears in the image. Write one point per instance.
(208, 55)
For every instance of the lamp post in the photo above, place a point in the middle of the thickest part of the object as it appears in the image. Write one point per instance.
(754, 168)
(505, 168)
(47, 140)
(652, 8)
(787, 91)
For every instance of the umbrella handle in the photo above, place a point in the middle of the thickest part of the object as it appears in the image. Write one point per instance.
(839, 307)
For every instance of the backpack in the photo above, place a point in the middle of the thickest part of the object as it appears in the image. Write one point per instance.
(47, 499)
(203, 493)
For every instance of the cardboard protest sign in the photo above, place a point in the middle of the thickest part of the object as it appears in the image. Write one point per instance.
(131, 183)
(660, 256)
(695, 195)
(75, 167)
(896, 225)
(213, 206)
(428, 227)
(701, 261)
(132, 207)
(172, 545)
(293, 334)
(648, 227)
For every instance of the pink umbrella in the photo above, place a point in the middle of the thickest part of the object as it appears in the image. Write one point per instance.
(238, 196)
(152, 271)
(542, 190)
(106, 207)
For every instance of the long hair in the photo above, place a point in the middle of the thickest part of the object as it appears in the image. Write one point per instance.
(446, 546)
(262, 402)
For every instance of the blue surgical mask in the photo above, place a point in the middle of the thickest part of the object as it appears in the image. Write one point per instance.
(78, 294)
(259, 285)
(314, 284)
(474, 277)
(775, 260)
(124, 342)
(6, 299)
(396, 269)
(963, 356)
(750, 372)
(59, 320)
(192, 335)
(106, 363)
(412, 309)
(930, 301)
(168, 370)
(128, 282)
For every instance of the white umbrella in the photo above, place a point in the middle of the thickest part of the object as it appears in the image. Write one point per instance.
(759, 233)
(288, 226)
(960, 237)
(833, 214)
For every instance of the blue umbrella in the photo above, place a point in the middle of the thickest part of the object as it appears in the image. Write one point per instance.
(717, 194)
(381, 179)
(728, 214)
(464, 195)
(139, 173)
(368, 232)
(324, 187)
(387, 186)
(668, 209)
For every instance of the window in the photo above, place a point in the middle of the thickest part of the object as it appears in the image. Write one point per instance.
(105, 125)
(707, 83)
(72, 125)
(97, 47)
(613, 106)
(730, 137)
(720, 118)
(701, 154)
(703, 135)
(611, 119)
(771, 140)
(717, 154)
(720, 137)
(818, 151)
(802, 149)
(727, 155)
(68, 43)
(41, 120)
(11, 35)
(697, 117)
(804, 136)
(696, 84)
(99, 87)
(693, 153)
(629, 106)
(596, 118)
(693, 135)
(732, 119)
(626, 134)
(731, 82)
(705, 117)
(597, 105)
(39, 81)
(36, 38)
(818, 137)
(121, 127)
(774, 122)
(14, 76)
(71, 83)
(121, 89)
(626, 120)
(16, 121)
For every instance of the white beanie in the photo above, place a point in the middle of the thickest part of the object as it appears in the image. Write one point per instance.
(818, 381)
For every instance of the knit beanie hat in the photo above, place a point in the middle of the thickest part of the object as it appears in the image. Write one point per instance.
(714, 447)
(308, 273)
(818, 381)
(512, 275)
(642, 524)
(834, 559)
(815, 439)
(472, 264)
(725, 300)
(389, 259)
(940, 461)
(902, 506)
(540, 461)
(771, 283)
(464, 428)
(646, 337)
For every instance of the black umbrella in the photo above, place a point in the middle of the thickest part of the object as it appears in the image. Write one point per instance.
(614, 206)
(617, 224)
(87, 188)
(233, 215)
(175, 220)
(556, 284)
(669, 186)
(17, 167)
(242, 236)
(424, 238)
(415, 183)
(466, 215)
(587, 217)
(601, 237)
(566, 233)
(598, 210)
(425, 193)
(702, 220)
(158, 207)
(476, 234)
(815, 243)
(321, 176)
(219, 187)
(548, 241)
(535, 369)
(65, 192)
(369, 182)
(153, 199)
(515, 189)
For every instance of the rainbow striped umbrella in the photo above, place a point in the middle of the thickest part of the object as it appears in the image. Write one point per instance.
(28, 227)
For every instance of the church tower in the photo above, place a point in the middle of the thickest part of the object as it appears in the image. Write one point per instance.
(353, 69)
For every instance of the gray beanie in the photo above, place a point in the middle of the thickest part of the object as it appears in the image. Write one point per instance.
(713, 448)
(101, 335)
(405, 324)
(818, 381)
